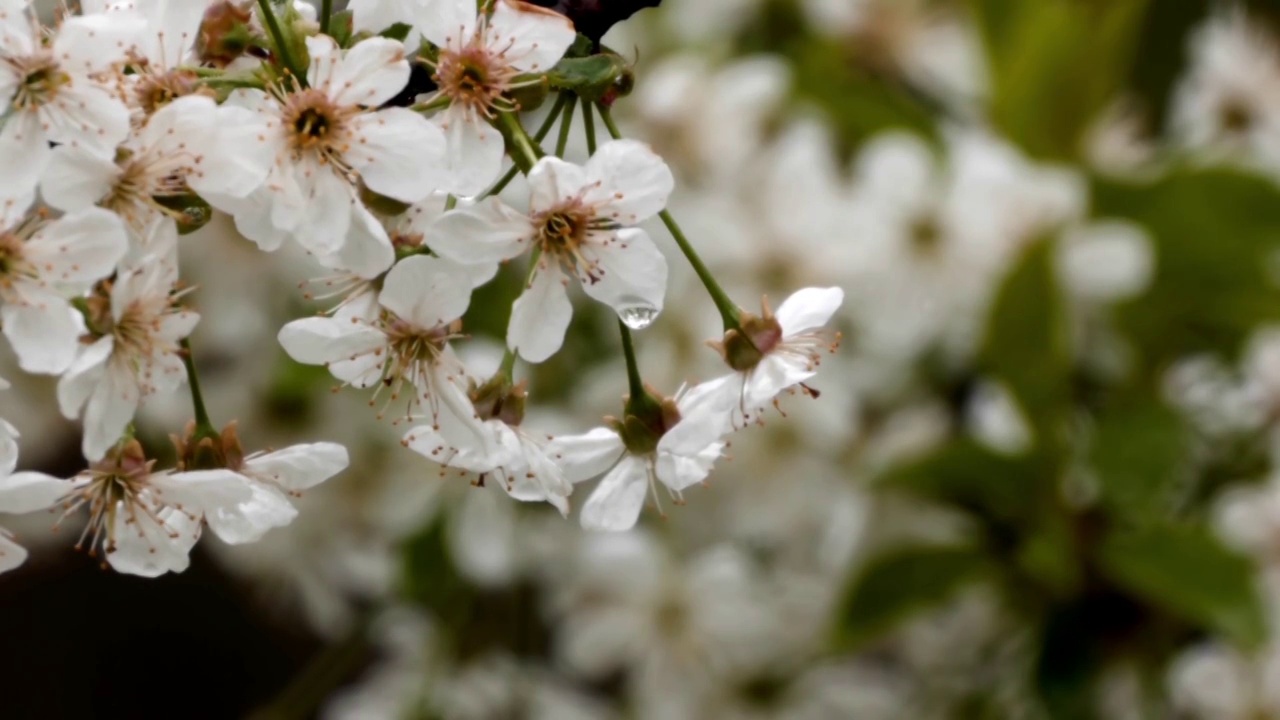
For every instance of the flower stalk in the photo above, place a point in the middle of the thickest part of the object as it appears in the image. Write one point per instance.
(524, 151)
(204, 427)
(277, 37)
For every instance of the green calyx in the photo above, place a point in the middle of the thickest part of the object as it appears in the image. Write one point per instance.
(745, 346)
(645, 420)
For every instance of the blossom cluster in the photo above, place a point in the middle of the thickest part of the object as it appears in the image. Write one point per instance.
(128, 125)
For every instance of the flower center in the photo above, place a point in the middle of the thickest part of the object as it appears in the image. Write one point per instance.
(41, 79)
(474, 78)
(113, 491)
(154, 91)
(925, 234)
(1235, 117)
(562, 232)
(13, 264)
(314, 123)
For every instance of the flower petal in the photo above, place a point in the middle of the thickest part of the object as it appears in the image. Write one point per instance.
(370, 73)
(77, 178)
(473, 151)
(299, 467)
(616, 502)
(531, 38)
(251, 519)
(630, 273)
(321, 340)
(426, 291)
(808, 308)
(587, 455)
(492, 231)
(26, 492)
(633, 182)
(43, 334)
(540, 316)
(398, 153)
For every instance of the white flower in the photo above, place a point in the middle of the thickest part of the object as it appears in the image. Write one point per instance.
(377, 15)
(1229, 102)
(579, 222)
(676, 450)
(137, 354)
(420, 304)
(22, 492)
(49, 92)
(166, 158)
(271, 477)
(521, 461)
(144, 522)
(775, 352)
(41, 264)
(324, 140)
(481, 58)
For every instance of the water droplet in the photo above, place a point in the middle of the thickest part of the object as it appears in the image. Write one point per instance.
(638, 317)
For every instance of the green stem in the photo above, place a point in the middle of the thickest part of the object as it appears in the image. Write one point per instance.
(277, 37)
(566, 121)
(729, 310)
(326, 13)
(204, 427)
(607, 117)
(508, 365)
(538, 136)
(588, 120)
(633, 369)
(524, 151)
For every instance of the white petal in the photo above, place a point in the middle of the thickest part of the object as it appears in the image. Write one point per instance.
(250, 520)
(77, 178)
(324, 55)
(775, 373)
(324, 223)
(540, 316)
(150, 549)
(26, 492)
(92, 43)
(83, 376)
(552, 180)
(448, 23)
(532, 38)
(108, 412)
(44, 336)
(86, 115)
(808, 308)
(630, 272)
(241, 150)
(616, 502)
(426, 291)
(587, 455)
(11, 553)
(473, 151)
(8, 447)
(634, 183)
(367, 251)
(371, 73)
(321, 340)
(299, 467)
(79, 248)
(26, 151)
(202, 490)
(680, 471)
(398, 153)
(492, 231)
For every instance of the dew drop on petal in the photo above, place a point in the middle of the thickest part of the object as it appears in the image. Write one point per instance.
(638, 317)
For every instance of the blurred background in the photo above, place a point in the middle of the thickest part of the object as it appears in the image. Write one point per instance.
(1038, 482)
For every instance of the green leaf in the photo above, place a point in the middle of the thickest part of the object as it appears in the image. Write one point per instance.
(995, 487)
(1055, 64)
(590, 77)
(398, 31)
(1027, 344)
(1214, 233)
(1191, 574)
(1139, 452)
(896, 585)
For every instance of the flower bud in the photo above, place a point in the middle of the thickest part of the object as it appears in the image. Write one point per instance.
(224, 33)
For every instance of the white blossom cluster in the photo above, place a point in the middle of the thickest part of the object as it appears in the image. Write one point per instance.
(127, 124)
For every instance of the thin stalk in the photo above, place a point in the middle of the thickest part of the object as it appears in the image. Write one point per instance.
(539, 136)
(566, 121)
(326, 13)
(277, 37)
(588, 120)
(729, 311)
(204, 427)
(525, 152)
(633, 369)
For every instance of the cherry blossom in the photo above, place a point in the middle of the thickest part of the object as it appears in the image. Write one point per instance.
(579, 222)
(482, 58)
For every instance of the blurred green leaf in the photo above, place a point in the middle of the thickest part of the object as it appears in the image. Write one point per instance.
(965, 474)
(1214, 232)
(1190, 573)
(1054, 65)
(1139, 451)
(896, 585)
(1028, 341)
